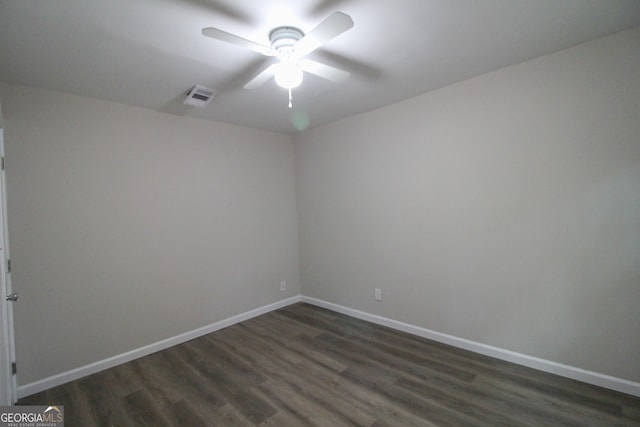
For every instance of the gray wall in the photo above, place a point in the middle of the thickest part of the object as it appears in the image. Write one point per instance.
(504, 209)
(130, 226)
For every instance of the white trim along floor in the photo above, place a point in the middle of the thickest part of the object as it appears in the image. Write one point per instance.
(567, 371)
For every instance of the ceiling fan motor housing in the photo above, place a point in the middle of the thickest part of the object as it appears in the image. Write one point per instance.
(283, 39)
(290, 45)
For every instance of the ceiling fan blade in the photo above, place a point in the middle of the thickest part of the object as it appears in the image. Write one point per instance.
(217, 34)
(261, 78)
(325, 71)
(334, 25)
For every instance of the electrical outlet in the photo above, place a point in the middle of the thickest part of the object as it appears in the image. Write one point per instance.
(283, 286)
(377, 294)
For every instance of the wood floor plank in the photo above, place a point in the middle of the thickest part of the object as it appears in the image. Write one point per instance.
(302, 352)
(124, 379)
(235, 387)
(154, 380)
(142, 409)
(193, 386)
(307, 366)
(274, 363)
(230, 416)
(309, 410)
(488, 415)
(287, 326)
(527, 410)
(77, 408)
(552, 408)
(187, 415)
(105, 405)
(573, 392)
(480, 364)
(284, 418)
(364, 398)
(309, 371)
(631, 413)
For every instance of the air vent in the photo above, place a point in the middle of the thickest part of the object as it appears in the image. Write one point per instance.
(199, 96)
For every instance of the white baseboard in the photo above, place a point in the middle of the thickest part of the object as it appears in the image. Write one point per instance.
(613, 383)
(101, 365)
(607, 381)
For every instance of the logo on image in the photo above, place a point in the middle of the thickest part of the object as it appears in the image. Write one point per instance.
(31, 416)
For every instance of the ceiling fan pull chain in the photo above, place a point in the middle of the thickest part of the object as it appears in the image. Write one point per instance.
(290, 99)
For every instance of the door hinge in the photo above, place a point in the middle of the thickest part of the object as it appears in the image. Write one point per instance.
(8, 266)
(14, 368)
(3, 163)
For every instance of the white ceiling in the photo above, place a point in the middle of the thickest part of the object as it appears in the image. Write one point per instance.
(150, 53)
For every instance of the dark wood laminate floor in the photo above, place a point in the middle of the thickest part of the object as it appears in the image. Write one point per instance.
(305, 366)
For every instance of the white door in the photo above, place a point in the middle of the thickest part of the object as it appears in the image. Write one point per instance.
(7, 355)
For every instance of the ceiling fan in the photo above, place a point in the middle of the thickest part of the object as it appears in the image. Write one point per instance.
(290, 46)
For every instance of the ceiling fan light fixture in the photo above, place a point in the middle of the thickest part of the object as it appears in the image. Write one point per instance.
(290, 45)
(288, 74)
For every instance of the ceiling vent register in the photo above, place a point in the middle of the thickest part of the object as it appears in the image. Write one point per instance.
(199, 96)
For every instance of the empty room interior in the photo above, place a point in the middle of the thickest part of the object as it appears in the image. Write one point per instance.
(322, 213)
